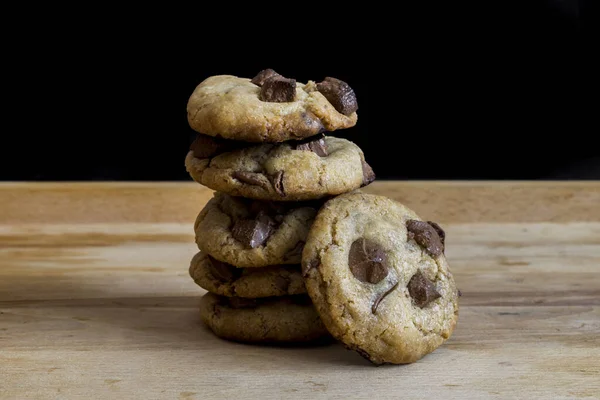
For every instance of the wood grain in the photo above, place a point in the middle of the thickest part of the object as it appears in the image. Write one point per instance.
(447, 202)
(105, 308)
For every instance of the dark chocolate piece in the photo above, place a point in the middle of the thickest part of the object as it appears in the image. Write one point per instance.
(339, 94)
(440, 233)
(278, 89)
(368, 174)
(422, 290)
(380, 298)
(263, 75)
(426, 236)
(367, 261)
(253, 233)
(317, 146)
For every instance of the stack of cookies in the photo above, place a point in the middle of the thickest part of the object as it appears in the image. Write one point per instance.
(291, 250)
(261, 146)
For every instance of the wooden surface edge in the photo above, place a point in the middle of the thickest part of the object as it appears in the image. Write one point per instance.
(443, 201)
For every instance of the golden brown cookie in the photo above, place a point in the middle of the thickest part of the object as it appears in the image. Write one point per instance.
(284, 319)
(292, 171)
(270, 108)
(379, 279)
(226, 280)
(252, 233)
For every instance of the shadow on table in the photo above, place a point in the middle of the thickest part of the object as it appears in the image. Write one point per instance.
(68, 318)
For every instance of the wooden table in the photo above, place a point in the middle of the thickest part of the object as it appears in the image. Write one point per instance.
(96, 301)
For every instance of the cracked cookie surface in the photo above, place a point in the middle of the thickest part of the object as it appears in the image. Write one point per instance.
(226, 280)
(379, 279)
(272, 320)
(251, 233)
(231, 107)
(284, 172)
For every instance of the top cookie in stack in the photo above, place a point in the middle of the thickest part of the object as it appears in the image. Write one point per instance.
(263, 138)
(270, 108)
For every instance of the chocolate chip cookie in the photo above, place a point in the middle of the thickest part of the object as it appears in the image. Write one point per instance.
(226, 280)
(270, 107)
(252, 233)
(379, 279)
(271, 320)
(302, 170)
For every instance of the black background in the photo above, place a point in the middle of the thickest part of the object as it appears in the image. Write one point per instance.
(478, 92)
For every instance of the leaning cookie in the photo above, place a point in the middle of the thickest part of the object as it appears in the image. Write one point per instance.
(286, 319)
(315, 168)
(252, 233)
(270, 108)
(226, 280)
(379, 279)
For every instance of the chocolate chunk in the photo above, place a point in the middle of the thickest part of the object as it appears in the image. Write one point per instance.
(422, 290)
(282, 283)
(367, 261)
(312, 123)
(380, 298)
(440, 233)
(317, 146)
(339, 94)
(278, 89)
(426, 236)
(278, 183)
(307, 266)
(263, 75)
(241, 302)
(205, 146)
(368, 174)
(223, 271)
(253, 233)
(459, 293)
(252, 178)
